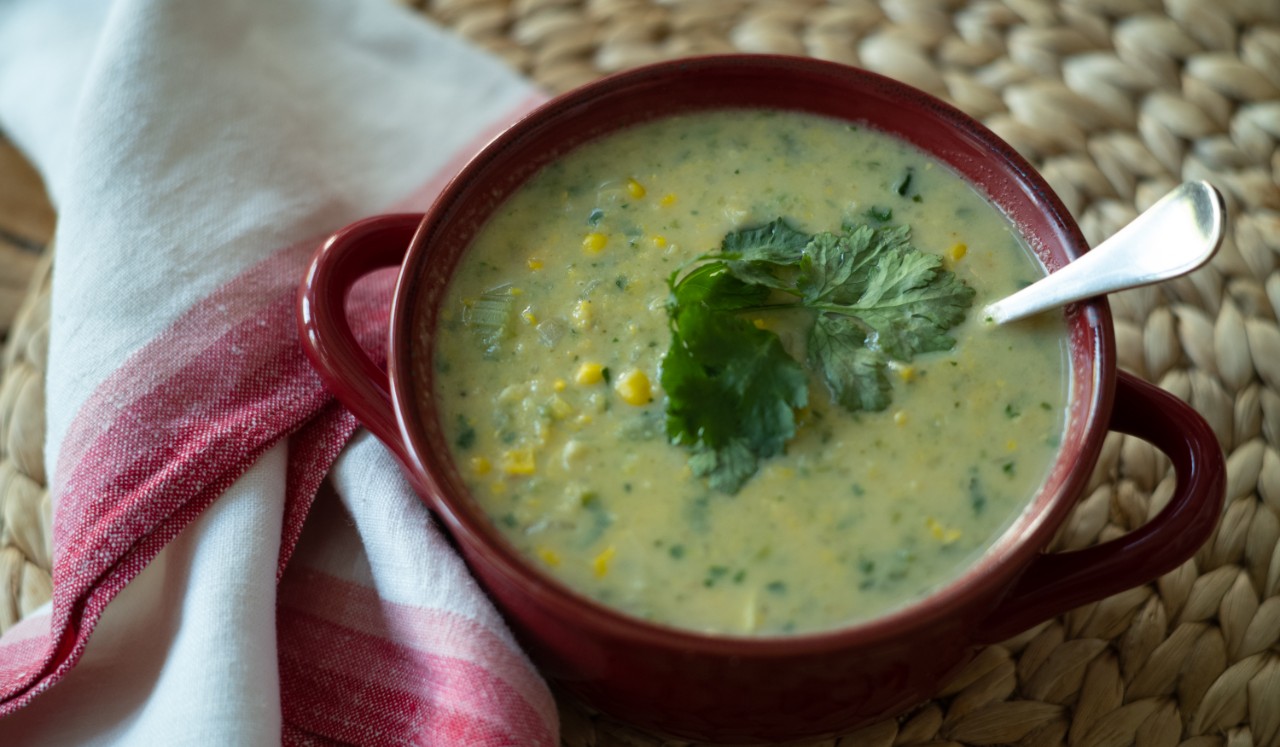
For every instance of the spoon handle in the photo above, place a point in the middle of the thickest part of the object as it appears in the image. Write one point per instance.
(1176, 235)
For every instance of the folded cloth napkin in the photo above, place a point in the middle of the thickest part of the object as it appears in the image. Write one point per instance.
(197, 153)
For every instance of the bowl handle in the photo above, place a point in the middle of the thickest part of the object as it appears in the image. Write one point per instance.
(347, 370)
(1057, 582)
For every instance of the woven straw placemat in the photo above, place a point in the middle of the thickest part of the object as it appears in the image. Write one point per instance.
(1115, 101)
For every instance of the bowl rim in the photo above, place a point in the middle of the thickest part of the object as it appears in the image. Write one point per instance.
(1090, 397)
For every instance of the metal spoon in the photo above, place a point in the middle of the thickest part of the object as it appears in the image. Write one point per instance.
(1176, 235)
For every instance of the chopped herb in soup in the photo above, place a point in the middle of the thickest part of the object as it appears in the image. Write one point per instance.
(725, 371)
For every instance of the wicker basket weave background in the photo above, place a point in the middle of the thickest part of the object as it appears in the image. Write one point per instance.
(1115, 101)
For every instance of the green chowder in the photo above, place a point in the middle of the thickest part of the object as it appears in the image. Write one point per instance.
(549, 361)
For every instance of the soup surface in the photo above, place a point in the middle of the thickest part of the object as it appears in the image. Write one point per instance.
(548, 362)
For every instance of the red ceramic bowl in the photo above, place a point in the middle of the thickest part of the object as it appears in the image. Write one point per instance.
(724, 688)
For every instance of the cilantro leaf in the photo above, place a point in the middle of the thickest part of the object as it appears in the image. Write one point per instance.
(776, 242)
(726, 468)
(753, 253)
(824, 266)
(856, 375)
(731, 393)
(910, 302)
(732, 388)
(715, 286)
(868, 245)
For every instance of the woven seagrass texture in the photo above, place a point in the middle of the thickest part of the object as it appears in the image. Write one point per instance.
(26, 225)
(25, 526)
(1115, 101)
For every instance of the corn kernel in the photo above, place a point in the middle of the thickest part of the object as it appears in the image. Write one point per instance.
(516, 291)
(584, 313)
(559, 385)
(635, 188)
(957, 251)
(907, 373)
(1011, 445)
(634, 388)
(559, 408)
(900, 417)
(600, 565)
(480, 465)
(659, 241)
(758, 323)
(534, 263)
(589, 373)
(528, 315)
(941, 533)
(594, 242)
(549, 556)
(519, 462)
(668, 200)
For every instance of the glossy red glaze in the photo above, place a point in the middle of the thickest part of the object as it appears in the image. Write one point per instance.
(722, 688)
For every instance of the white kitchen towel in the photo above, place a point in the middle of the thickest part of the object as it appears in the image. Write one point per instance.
(197, 153)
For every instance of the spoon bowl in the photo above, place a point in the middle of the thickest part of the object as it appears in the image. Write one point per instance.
(1177, 235)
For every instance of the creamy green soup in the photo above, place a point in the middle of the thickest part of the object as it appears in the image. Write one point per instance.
(548, 363)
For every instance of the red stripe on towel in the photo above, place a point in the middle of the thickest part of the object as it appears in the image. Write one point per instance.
(369, 690)
(439, 632)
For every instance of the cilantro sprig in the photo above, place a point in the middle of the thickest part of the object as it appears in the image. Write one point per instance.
(732, 388)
